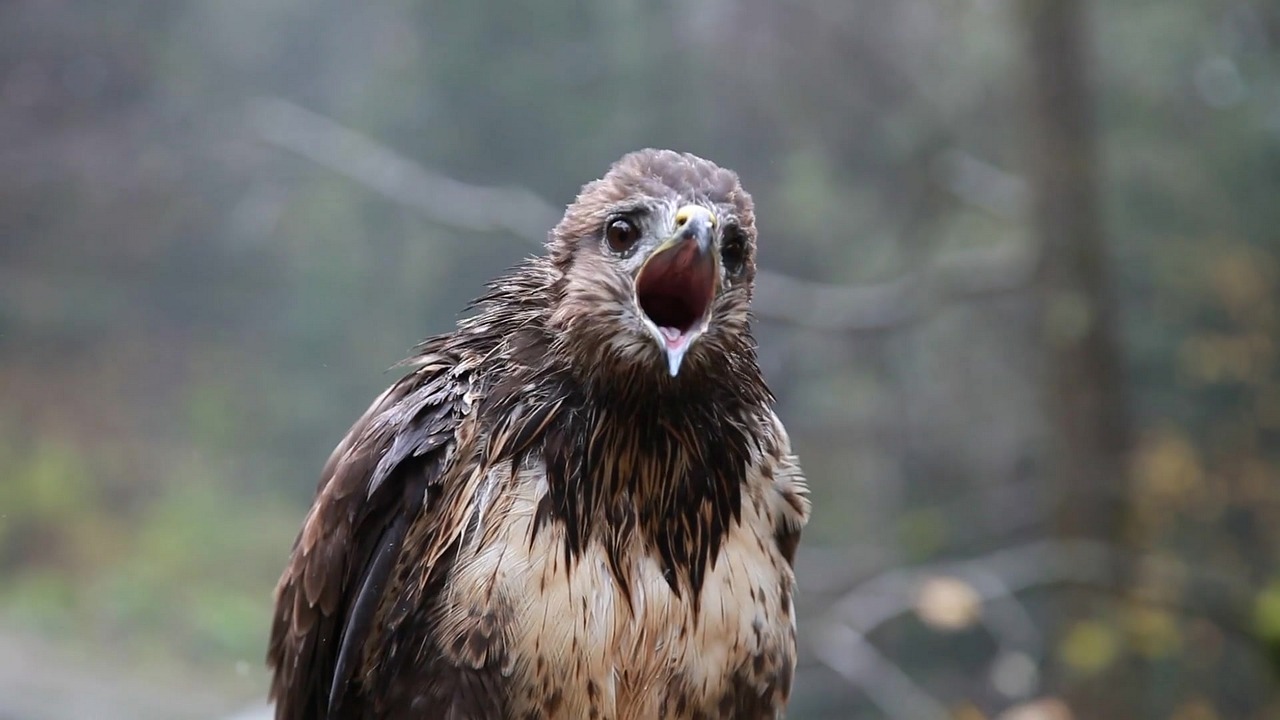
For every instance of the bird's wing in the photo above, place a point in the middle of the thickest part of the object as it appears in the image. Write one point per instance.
(790, 500)
(372, 489)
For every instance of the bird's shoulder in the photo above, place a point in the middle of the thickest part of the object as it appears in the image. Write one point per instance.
(781, 485)
(395, 460)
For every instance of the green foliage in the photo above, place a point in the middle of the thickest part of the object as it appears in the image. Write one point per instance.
(188, 570)
(1267, 613)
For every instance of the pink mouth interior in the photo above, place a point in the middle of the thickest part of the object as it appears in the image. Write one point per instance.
(675, 289)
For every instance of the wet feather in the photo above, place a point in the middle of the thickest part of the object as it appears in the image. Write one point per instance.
(538, 521)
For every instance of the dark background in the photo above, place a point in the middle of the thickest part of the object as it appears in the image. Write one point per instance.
(1021, 315)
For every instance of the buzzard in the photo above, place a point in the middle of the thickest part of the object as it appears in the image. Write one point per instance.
(579, 503)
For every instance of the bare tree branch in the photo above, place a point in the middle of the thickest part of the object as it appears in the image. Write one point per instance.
(983, 185)
(854, 658)
(377, 167)
(821, 306)
(839, 640)
(1010, 571)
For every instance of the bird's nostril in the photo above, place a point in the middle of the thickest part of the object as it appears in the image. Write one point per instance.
(689, 212)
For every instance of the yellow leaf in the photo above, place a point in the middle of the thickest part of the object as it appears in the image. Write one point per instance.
(1089, 646)
(1197, 709)
(1167, 468)
(1266, 612)
(1152, 632)
(1242, 280)
(948, 604)
(1042, 709)
(967, 711)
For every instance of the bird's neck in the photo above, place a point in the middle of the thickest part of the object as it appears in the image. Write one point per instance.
(633, 458)
(625, 466)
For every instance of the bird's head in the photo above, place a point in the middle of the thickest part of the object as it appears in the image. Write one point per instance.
(657, 260)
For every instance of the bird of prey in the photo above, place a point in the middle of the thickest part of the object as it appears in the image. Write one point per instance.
(578, 504)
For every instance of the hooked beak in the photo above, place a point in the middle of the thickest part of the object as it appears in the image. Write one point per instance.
(677, 284)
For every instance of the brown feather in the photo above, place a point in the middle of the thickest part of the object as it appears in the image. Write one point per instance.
(539, 521)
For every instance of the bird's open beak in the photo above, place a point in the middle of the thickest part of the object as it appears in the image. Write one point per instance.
(675, 287)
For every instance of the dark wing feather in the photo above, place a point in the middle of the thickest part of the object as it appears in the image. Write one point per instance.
(371, 491)
(360, 618)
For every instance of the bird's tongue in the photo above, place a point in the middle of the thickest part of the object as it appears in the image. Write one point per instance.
(671, 335)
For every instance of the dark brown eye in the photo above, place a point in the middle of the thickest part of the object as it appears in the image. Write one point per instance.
(621, 234)
(733, 251)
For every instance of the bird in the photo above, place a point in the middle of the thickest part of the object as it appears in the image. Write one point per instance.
(579, 503)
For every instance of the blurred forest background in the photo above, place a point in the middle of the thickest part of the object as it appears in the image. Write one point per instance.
(1021, 313)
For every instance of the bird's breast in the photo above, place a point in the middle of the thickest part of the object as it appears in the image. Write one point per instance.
(581, 643)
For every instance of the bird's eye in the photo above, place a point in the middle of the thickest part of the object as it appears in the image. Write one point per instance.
(733, 251)
(621, 234)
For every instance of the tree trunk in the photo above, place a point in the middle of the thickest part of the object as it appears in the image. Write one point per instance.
(1086, 398)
